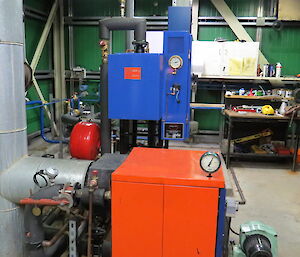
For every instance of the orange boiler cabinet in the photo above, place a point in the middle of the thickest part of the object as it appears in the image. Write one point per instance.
(164, 205)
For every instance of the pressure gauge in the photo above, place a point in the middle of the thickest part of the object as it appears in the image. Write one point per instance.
(210, 162)
(175, 62)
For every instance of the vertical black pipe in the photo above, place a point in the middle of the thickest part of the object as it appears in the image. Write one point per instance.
(105, 122)
(124, 136)
(151, 133)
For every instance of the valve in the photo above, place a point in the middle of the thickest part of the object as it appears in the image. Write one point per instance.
(175, 91)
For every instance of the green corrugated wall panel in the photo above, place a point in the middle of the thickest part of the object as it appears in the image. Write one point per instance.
(112, 8)
(33, 31)
(33, 116)
(96, 8)
(87, 52)
(239, 7)
(152, 8)
(210, 33)
(283, 46)
(208, 119)
(41, 5)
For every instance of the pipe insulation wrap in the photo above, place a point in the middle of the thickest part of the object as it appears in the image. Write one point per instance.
(11, 20)
(122, 23)
(73, 171)
(13, 137)
(11, 229)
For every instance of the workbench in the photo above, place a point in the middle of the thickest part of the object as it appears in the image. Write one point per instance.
(231, 118)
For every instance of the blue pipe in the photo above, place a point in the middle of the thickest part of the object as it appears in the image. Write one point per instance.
(43, 131)
(34, 102)
(42, 124)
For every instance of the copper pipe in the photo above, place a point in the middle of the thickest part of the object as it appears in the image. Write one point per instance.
(89, 246)
(58, 235)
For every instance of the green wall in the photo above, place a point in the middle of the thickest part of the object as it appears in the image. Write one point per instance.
(33, 31)
(283, 45)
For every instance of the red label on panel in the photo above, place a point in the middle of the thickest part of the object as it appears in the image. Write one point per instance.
(132, 73)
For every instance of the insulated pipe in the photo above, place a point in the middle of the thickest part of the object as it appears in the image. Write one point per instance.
(122, 23)
(107, 25)
(17, 183)
(129, 14)
(13, 136)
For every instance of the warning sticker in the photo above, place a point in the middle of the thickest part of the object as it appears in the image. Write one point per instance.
(132, 73)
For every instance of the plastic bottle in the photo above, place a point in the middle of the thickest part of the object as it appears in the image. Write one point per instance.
(278, 70)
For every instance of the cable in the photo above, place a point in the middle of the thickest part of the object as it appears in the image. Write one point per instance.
(41, 174)
(234, 232)
(229, 225)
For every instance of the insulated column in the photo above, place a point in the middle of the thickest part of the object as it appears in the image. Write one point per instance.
(13, 138)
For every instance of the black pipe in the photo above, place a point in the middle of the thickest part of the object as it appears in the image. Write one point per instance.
(123, 23)
(105, 122)
(69, 119)
(34, 232)
(105, 26)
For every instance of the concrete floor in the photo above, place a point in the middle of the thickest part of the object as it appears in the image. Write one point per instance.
(272, 192)
(273, 197)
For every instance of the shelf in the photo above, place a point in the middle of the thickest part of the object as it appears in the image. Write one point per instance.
(255, 155)
(267, 97)
(250, 78)
(255, 115)
(207, 106)
(276, 82)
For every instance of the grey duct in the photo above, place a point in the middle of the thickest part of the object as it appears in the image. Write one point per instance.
(107, 25)
(16, 169)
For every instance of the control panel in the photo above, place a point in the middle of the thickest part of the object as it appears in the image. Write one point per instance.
(176, 85)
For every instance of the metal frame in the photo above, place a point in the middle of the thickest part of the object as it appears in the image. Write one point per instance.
(37, 56)
(161, 22)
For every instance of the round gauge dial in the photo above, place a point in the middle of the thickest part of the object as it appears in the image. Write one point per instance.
(210, 162)
(175, 62)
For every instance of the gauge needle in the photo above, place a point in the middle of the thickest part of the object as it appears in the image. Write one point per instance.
(210, 162)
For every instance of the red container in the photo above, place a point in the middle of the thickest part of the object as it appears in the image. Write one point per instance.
(85, 141)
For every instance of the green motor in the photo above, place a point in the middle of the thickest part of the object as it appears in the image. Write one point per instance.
(256, 240)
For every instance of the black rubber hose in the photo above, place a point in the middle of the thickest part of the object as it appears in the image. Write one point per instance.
(123, 23)
(34, 232)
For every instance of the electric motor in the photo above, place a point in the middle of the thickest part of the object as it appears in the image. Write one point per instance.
(257, 246)
(256, 240)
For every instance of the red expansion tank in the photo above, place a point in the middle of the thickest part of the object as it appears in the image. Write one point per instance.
(85, 141)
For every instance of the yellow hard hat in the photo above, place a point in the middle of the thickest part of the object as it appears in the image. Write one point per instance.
(267, 110)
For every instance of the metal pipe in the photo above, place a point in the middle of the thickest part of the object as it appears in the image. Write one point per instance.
(34, 232)
(243, 199)
(56, 237)
(90, 225)
(42, 128)
(129, 14)
(120, 23)
(20, 177)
